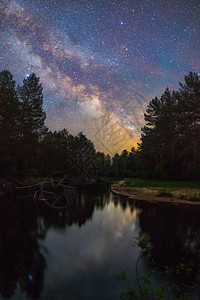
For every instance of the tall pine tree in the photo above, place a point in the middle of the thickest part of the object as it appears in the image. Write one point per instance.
(31, 99)
(32, 118)
(189, 120)
(9, 124)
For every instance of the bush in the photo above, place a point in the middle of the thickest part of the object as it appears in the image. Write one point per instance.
(164, 193)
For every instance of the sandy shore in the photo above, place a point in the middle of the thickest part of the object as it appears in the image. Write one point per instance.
(150, 195)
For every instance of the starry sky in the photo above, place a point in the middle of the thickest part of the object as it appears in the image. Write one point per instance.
(100, 62)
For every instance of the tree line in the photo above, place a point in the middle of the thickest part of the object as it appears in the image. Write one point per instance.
(28, 147)
(170, 140)
(169, 147)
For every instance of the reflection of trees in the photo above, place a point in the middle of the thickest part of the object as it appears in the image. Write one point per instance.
(171, 230)
(22, 223)
(21, 263)
(78, 213)
(169, 227)
(124, 202)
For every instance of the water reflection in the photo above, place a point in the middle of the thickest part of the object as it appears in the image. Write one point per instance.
(169, 228)
(175, 234)
(87, 260)
(21, 262)
(43, 250)
(48, 254)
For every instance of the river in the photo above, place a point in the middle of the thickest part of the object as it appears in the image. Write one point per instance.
(76, 252)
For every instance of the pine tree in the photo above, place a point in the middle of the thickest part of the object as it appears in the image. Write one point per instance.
(149, 146)
(124, 162)
(32, 126)
(167, 124)
(31, 99)
(132, 160)
(116, 165)
(159, 136)
(189, 120)
(170, 139)
(9, 123)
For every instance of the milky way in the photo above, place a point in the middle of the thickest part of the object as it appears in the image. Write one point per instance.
(100, 62)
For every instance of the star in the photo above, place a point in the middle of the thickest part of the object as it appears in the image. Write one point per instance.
(88, 67)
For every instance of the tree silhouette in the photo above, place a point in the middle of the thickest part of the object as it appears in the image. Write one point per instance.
(32, 116)
(9, 124)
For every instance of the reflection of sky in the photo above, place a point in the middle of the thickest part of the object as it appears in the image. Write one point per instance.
(85, 260)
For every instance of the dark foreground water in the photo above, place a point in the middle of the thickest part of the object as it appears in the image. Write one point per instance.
(76, 252)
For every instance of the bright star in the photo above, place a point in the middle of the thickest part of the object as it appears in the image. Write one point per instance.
(30, 277)
(121, 22)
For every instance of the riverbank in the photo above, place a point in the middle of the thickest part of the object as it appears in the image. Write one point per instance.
(30, 185)
(179, 196)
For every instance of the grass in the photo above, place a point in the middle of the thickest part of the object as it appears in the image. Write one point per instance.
(164, 193)
(148, 183)
(194, 197)
(184, 190)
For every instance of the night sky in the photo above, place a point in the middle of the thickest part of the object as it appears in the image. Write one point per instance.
(100, 62)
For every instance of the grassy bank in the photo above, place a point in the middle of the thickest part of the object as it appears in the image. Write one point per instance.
(138, 182)
(187, 190)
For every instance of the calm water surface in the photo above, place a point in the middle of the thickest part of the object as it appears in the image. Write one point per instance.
(76, 253)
